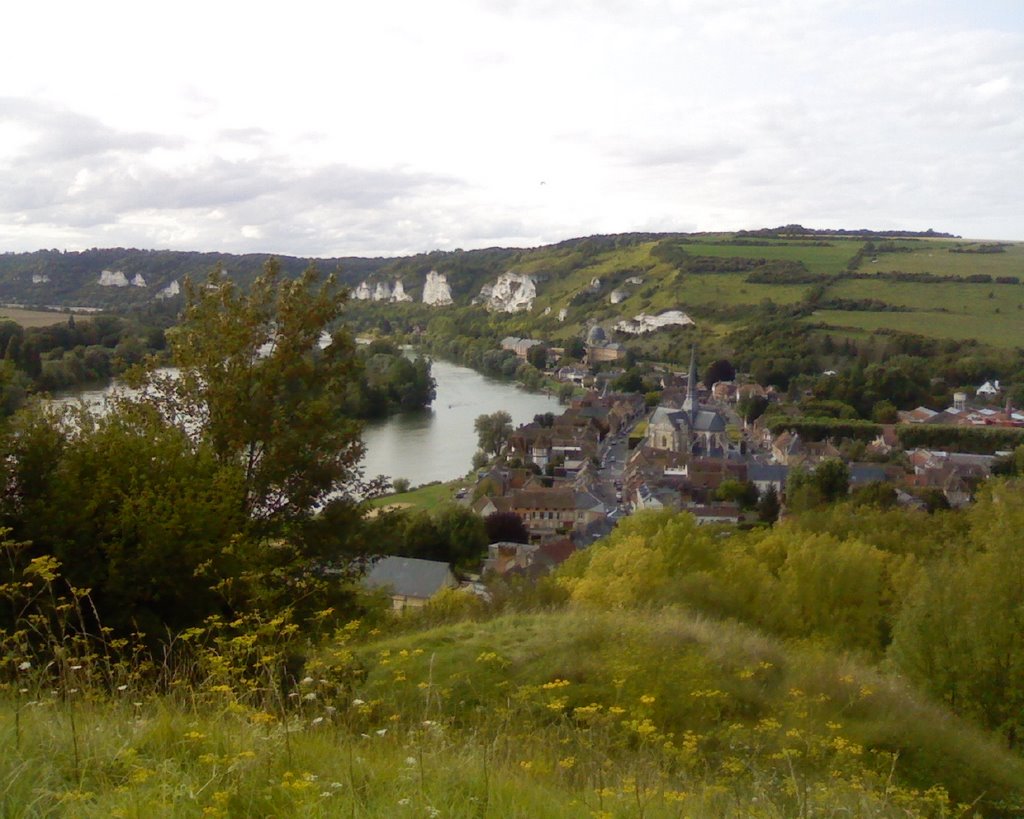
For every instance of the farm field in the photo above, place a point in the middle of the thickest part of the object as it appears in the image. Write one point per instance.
(956, 297)
(933, 256)
(726, 289)
(1005, 329)
(830, 260)
(37, 318)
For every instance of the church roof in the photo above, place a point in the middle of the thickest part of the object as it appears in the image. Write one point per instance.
(706, 420)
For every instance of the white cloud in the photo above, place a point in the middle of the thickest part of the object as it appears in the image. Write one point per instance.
(401, 126)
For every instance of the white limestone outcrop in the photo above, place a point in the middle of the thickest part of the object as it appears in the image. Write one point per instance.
(173, 289)
(436, 291)
(363, 292)
(643, 323)
(398, 292)
(138, 280)
(563, 313)
(382, 292)
(617, 296)
(113, 278)
(40, 278)
(511, 293)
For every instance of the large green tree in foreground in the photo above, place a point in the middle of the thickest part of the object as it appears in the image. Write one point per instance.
(225, 484)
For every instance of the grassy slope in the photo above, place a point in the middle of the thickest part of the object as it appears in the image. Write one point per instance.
(991, 313)
(933, 256)
(559, 714)
(954, 310)
(830, 260)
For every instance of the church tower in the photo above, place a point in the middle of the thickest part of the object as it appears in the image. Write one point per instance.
(690, 404)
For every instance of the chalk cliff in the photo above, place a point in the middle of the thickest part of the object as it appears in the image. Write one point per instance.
(511, 293)
(643, 323)
(436, 291)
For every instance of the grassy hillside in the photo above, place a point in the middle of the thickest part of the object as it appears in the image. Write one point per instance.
(721, 279)
(558, 714)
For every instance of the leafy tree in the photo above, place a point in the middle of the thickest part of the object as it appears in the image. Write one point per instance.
(720, 370)
(133, 510)
(884, 412)
(463, 534)
(768, 506)
(630, 381)
(876, 493)
(742, 492)
(506, 527)
(832, 478)
(575, 348)
(493, 431)
(538, 356)
(751, 407)
(832, 588)
(255, 386)
(544, 419)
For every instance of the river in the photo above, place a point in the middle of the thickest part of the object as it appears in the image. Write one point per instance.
(436, 444)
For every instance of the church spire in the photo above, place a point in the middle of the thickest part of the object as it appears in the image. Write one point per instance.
(690, 404)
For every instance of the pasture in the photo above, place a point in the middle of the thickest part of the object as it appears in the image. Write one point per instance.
(933, 256)
(981, 300)
(37, 318)
(1005, 329)
(831, 259)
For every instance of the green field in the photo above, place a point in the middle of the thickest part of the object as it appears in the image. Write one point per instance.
(981, 300)
(830, 260)
(37, 318)
(726, 289)
(1003, 330)
(934, 257)
(428, 496)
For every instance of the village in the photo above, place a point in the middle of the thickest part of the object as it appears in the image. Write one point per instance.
(569, 478)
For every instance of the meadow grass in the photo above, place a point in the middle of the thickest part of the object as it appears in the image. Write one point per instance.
(545, 714)
(933, 256)
(38, 318)
(831, 259)
(1005, 329)
(955, 297)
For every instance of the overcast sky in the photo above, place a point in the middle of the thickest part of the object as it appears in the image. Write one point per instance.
(380, 128)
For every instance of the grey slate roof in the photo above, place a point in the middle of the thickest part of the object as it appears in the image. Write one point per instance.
(767, 472)
(409, 576)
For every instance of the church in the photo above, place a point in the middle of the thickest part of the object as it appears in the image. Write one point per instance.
(692, 429)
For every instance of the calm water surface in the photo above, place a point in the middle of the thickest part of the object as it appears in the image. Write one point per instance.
(429, 445)
(438, 444)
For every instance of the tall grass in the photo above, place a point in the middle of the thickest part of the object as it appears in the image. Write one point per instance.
(550, 714)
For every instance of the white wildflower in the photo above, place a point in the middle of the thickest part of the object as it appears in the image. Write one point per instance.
(381, 731)
(25, 666)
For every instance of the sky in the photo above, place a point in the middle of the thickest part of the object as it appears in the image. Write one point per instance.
(398, 126)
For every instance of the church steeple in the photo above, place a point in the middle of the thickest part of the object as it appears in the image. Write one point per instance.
(690, 404)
